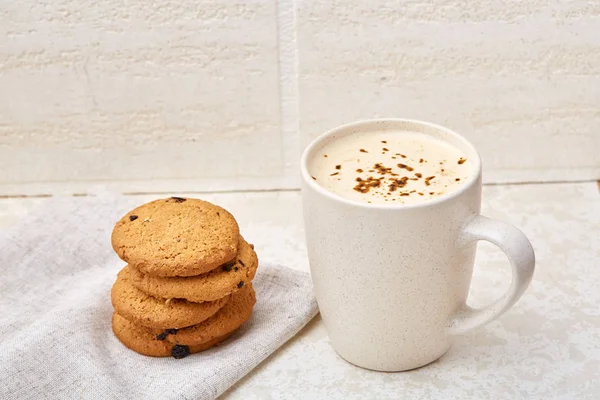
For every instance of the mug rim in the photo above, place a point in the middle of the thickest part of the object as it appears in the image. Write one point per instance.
(312, 146)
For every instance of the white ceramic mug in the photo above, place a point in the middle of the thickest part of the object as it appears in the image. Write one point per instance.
(392, 281)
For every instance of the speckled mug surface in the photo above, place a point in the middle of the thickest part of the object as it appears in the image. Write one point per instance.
(392, 281)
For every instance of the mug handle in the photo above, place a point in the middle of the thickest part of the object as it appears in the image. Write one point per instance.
(519, 251)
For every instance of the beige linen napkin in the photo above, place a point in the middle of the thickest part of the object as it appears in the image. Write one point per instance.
(55, 315)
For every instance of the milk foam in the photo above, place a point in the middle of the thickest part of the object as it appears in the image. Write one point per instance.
(390, 167)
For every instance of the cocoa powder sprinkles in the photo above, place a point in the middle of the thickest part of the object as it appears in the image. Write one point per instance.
(398, 184)
(407, 167)
(376, 176)
(381, 169)
(363, 186)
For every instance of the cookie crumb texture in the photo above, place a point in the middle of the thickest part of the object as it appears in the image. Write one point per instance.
(197, 338)
(153, 312)
(140, 340)
(211, 286)
(176, 237)
(237, 311)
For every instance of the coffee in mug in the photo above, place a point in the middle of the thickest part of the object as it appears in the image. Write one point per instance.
(390, 167)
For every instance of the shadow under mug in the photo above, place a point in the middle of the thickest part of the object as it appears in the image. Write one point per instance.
(392, 281)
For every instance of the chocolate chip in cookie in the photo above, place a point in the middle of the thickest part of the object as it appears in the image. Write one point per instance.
(229, 266)
(180, 351)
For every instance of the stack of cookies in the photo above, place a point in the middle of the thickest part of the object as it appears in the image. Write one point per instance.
(188, 282)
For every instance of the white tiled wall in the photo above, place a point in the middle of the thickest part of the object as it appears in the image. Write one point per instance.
(222, 95)
(143, 96)
(521, 79)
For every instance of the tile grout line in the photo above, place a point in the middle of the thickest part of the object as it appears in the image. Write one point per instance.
(5, 197)
(288, 89)
(557, 182)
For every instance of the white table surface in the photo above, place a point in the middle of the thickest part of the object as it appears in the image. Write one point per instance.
(546, 347)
